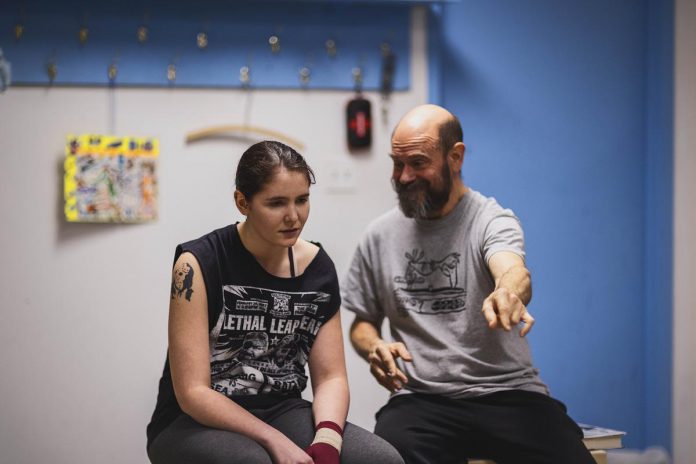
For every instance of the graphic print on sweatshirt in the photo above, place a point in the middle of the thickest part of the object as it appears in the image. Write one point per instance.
(261, 340)
(429, 286)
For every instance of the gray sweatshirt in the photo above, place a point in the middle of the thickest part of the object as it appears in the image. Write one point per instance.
(429, 279)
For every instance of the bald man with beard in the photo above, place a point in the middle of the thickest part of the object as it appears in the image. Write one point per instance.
(446, 269)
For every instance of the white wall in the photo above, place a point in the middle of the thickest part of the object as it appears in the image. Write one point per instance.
(84, 306)
(684, 382)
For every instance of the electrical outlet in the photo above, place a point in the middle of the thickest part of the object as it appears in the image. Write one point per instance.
(341, 178)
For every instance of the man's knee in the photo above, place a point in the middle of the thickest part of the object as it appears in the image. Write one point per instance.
(402, 437)
(397, 437)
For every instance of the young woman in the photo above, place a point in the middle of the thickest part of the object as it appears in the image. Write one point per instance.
(251, 304)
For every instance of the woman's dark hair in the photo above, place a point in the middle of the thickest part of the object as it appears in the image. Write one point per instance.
(260, 162)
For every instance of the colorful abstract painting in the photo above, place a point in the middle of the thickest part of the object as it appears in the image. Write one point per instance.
(110, 179)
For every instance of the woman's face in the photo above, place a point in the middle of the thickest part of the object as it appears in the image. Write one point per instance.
(279, 211)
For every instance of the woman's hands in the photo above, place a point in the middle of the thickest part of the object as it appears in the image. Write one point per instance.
(284, 451)
(323, 453)
(326, 447)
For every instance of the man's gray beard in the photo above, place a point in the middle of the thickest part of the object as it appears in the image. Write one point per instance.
(414, 204)
(432, 201)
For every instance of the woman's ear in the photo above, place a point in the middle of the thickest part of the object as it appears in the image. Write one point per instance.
(241, 202)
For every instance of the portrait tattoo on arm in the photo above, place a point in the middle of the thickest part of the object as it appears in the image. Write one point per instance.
(182, 282)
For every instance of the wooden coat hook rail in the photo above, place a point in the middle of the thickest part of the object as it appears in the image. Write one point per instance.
(241, 130)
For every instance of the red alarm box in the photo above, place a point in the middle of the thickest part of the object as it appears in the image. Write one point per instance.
(359, 123)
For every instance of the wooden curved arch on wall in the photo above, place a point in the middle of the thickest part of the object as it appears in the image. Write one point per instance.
(242, 131)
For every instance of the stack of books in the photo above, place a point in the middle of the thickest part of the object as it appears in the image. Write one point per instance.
(600, 439)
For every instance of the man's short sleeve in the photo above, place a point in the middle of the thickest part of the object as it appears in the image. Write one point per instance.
(359, 290)
(503, 233)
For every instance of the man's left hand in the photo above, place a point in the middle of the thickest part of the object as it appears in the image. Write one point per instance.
(503, 308)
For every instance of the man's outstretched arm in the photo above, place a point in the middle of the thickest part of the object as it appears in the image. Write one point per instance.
(507, 304)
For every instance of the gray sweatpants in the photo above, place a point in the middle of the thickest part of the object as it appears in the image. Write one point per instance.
(185, 441)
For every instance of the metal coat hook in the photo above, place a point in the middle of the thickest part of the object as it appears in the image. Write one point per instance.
(18, 31)
(385, 48)
(274, 42)
(171, 69)
(52, 67)
(305, 74)
(143, 32)
(245, 76)
(83, 35)
(83, 32)
(5, 72)
(387, 84)
(112, 72)
(202, 40)
(19, 25)
(357, 78)
(52, 71)
(331, 49)
(202, 36)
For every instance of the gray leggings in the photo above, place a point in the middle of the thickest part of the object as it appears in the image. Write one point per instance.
(185, 441)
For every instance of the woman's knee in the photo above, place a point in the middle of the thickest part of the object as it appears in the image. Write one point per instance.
(185, 441)
(211, 455)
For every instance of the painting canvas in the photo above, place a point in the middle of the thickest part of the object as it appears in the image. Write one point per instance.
(110, 179)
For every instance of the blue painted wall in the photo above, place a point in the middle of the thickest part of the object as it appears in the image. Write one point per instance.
(565, 108)
(237, 36)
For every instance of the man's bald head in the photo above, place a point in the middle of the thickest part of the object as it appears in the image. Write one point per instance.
(431, 124)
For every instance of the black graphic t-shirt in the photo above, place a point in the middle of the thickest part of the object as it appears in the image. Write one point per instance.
(261, 327)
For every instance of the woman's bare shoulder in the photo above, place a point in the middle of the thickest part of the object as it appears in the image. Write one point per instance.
(305, 252)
